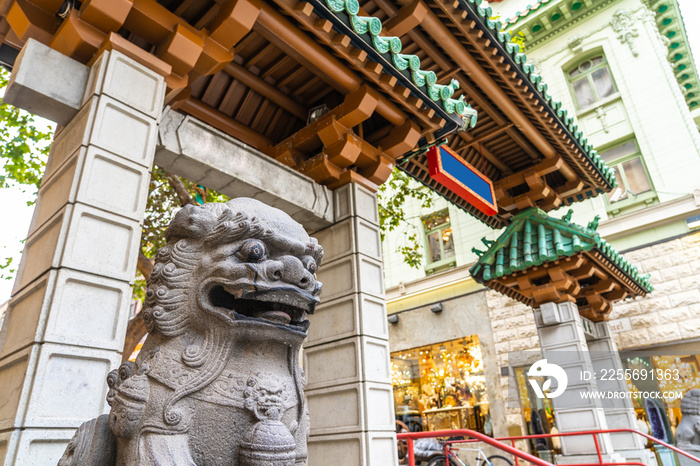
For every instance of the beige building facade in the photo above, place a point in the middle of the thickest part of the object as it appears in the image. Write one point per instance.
(624, 72)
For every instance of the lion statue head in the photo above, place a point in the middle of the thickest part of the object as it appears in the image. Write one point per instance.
(233, 267)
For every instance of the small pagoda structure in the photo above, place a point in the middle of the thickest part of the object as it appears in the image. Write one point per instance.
(540, 259)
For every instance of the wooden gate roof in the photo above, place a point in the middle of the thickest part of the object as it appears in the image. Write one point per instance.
(343, 90)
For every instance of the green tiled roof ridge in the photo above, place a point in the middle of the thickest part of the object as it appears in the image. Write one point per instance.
(534, 238)
(391, 44)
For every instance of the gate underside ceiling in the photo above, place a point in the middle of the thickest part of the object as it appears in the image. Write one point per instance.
(342, 91)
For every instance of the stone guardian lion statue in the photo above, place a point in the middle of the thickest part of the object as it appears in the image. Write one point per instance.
(688, 430)
(218, 380)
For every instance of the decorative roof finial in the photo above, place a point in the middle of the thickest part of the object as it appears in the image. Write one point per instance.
(593, 224)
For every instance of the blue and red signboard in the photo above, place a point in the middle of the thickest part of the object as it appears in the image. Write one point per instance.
(452, 171)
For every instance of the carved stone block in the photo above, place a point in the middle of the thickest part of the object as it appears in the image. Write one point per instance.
(113, 120)
(340, 277)
(382, 448)
(43, 248)
(67, 140)
(25, 317)
(47, 83)
(41, 446)
(354, 200)
(326, 449)
(358, 359)
(68, 386)
(342, 318)
(129, 82)
(98, 178)
(75, 318)
(13, 383)
(6, 439)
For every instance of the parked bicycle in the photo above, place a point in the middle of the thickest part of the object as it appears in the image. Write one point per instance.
(454, 460)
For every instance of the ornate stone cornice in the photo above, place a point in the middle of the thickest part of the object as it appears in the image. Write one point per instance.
(546, 19)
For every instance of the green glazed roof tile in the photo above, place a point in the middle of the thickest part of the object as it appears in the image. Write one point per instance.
(534, 238)
(387, 44)
(390, 44)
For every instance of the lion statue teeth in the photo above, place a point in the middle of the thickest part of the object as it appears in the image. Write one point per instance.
(218, 380)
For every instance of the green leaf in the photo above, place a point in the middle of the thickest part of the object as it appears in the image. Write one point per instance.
(392, 196)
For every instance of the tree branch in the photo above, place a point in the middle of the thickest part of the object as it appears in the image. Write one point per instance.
(180, 189)
(144, 265)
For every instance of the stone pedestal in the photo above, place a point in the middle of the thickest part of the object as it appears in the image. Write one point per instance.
(685, 461)
(619, 412)
(346, 355)
(563, 342)
(65, 324)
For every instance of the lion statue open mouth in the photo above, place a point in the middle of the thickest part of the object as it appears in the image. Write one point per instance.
(218, 380)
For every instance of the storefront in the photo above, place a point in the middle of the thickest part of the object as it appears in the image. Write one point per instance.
(669, 377)
(656, 384)
(442, 386)
(538, 415)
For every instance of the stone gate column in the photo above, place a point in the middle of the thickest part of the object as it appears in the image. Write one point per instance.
(563, 342)
(346, 356)
(619, 412)
(65, 324)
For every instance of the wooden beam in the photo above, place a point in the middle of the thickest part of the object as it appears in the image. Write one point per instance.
(435, 27)
(488, 135)
(405, 19)
(270, 92)
(225, 123)
(291, 39)
(493, 160)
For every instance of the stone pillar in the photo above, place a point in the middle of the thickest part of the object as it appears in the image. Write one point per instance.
(66, 321)
(346, 356)
(619, 412)
(563, 342)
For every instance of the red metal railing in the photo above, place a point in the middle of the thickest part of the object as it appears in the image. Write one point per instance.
(519, 454)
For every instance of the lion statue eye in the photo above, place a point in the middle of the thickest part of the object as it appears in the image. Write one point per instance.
(310, 265)
(253, 251)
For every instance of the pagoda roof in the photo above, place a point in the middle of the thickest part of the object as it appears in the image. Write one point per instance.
(539, 258)
(343, 91)
(511, 186)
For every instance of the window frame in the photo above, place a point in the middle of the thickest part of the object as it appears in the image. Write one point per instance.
(443, 263)
(588, 76)
(637, 199)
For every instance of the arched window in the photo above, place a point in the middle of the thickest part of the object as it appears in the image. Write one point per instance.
(591, 81)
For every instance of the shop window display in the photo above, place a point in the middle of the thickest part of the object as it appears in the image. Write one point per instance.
(539, 417)
(441, 386)
(665, 375)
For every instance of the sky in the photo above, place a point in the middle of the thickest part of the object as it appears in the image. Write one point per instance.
(18, 215)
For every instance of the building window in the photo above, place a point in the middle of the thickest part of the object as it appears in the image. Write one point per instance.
(634, 184)
(438, 238)
(591, 81)
(441, 386)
